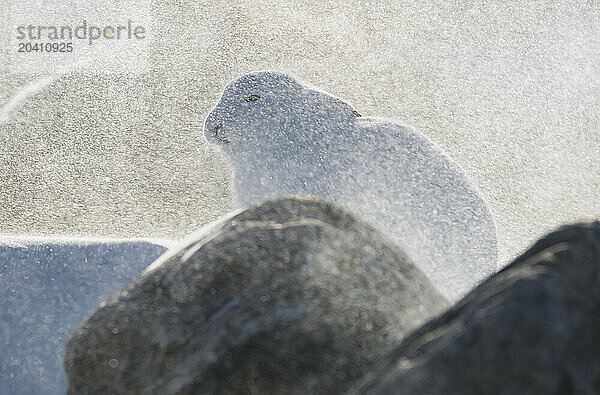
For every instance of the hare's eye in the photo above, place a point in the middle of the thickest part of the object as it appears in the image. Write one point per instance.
(253, 98)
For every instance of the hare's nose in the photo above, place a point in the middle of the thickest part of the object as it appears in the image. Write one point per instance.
(218, 133)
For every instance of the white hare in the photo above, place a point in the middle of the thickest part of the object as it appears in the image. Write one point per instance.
(286, 138)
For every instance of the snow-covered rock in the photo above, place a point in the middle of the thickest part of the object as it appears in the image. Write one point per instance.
(292, 296)
(533, 328)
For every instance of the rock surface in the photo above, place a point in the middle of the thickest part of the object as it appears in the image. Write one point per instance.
(46, 290)
(286, 138)
(290, 296)
(534, 328)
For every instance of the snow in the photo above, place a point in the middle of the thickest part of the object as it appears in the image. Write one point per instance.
(47, 289)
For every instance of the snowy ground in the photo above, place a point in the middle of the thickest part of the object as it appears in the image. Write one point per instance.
(112, 144)
(47, 288)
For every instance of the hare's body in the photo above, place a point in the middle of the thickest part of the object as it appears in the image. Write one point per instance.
(284, 138)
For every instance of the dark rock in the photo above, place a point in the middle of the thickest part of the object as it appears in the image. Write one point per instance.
(533, 328)
(46, 290)
(290, 296)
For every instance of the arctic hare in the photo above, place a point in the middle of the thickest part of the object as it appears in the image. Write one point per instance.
(286, 138)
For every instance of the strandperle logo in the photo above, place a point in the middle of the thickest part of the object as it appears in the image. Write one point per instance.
(84, 31)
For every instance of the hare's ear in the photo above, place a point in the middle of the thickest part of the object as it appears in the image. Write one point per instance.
(331, 106)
